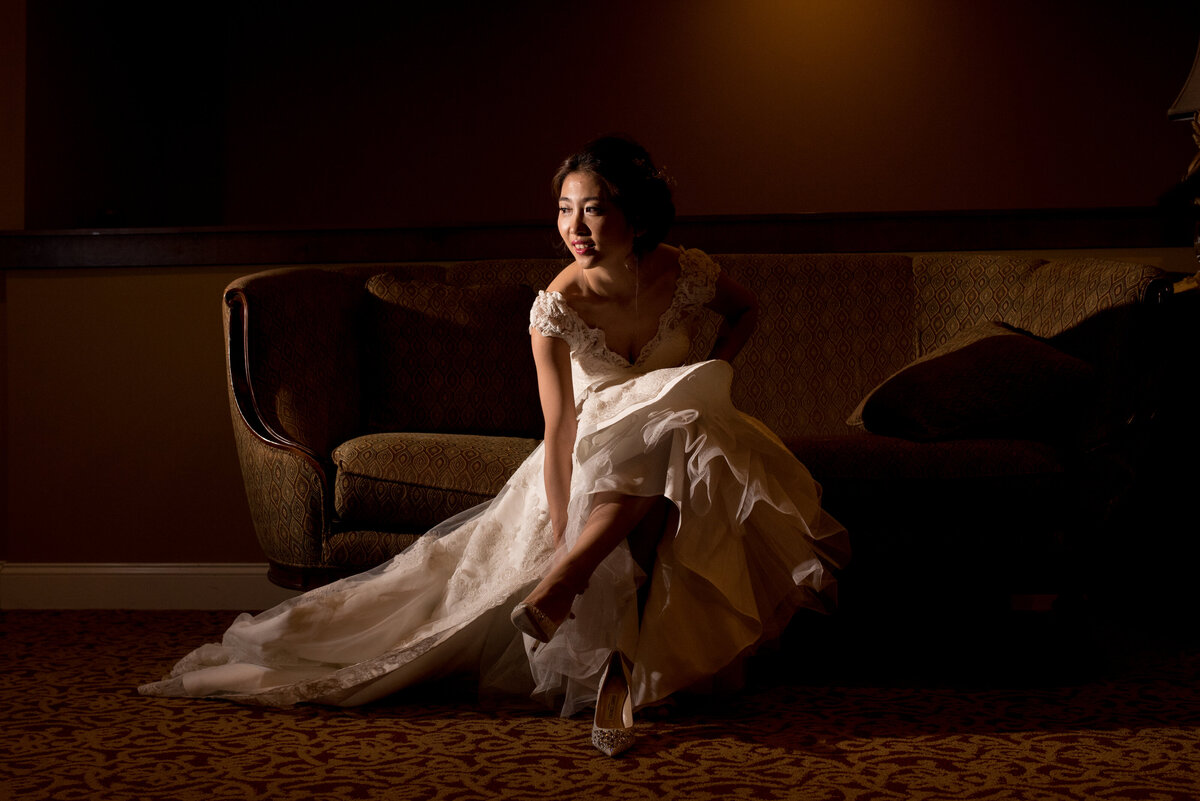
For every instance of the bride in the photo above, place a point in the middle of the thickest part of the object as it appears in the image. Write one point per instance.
(654, 539)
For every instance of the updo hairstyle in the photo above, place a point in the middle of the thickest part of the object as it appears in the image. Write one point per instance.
(631, 182)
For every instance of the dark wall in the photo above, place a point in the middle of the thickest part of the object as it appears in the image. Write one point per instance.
(274, 114)
(125, 111)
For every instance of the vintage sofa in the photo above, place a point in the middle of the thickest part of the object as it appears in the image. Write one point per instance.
(370, 402)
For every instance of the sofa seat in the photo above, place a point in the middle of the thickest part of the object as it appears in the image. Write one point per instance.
(945, 502)
(961, 525)
(413, 481)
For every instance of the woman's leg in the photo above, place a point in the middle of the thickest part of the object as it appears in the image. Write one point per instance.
(663, 517)
(614, 517)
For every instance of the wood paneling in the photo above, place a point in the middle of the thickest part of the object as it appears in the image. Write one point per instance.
(814, 233)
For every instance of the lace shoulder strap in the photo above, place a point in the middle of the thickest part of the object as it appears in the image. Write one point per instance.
(552, 317)
(697, 277)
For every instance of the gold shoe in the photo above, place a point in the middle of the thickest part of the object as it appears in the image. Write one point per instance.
(533, 621)
(612, 729)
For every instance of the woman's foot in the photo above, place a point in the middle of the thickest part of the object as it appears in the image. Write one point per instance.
(548, 606)
(612, 729)
(533, 621)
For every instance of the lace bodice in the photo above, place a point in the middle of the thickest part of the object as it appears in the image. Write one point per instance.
(594, 363)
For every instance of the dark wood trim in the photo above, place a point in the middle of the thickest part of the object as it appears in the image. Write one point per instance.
(804, 233)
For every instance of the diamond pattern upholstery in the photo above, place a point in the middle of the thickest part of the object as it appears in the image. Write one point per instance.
(958, 290)
(415, 480)
(429, 367)
(830, 328)
(358, 426)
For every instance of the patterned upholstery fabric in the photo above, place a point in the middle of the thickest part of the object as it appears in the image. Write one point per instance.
(535, 273)
(287, 498)
(1088, 308)
(830, 328)
(955, 291)
(414, 481)
(1058, 296)
(358, 550)
(302, 350)
(450, 358)
(339, 477)
(293, 361)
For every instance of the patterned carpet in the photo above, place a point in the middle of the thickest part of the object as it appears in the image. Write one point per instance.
(73, 727)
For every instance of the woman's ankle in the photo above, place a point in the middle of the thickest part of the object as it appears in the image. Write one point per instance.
(556, 592)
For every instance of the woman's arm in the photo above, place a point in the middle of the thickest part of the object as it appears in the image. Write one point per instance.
(739, 306)
(552, 357)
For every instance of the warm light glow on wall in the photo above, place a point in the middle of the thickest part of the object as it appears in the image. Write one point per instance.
(388, 116)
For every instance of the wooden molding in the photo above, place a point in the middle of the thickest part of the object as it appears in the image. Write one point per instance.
(1141, 227)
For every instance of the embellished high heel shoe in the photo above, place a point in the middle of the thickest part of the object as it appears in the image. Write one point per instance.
(533, 621)
(612, 730)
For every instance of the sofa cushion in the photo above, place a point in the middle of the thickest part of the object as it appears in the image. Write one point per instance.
(868, 457)
(450, 358)
(404, 481)
(989, 381)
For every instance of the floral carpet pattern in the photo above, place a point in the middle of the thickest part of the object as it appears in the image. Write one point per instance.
(72, 726)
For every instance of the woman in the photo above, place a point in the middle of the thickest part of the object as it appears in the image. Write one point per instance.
(654, 539)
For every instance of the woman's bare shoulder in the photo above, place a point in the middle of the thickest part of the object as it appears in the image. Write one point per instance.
(566, 283)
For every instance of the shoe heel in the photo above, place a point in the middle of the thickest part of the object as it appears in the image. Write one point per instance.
(532, 621)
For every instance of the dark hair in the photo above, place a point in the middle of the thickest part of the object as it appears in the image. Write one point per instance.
(632, 183)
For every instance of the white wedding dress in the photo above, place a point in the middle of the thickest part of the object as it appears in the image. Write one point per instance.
(752, 545)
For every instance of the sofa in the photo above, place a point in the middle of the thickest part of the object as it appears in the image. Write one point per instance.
(976, 421)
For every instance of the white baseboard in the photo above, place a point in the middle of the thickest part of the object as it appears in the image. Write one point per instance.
(137, 585)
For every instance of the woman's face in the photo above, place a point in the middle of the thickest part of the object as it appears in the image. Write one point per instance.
(595, 231)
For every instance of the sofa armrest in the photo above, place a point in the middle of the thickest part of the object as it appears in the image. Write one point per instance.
(293, 349)
(290, 497)
(292, 359)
